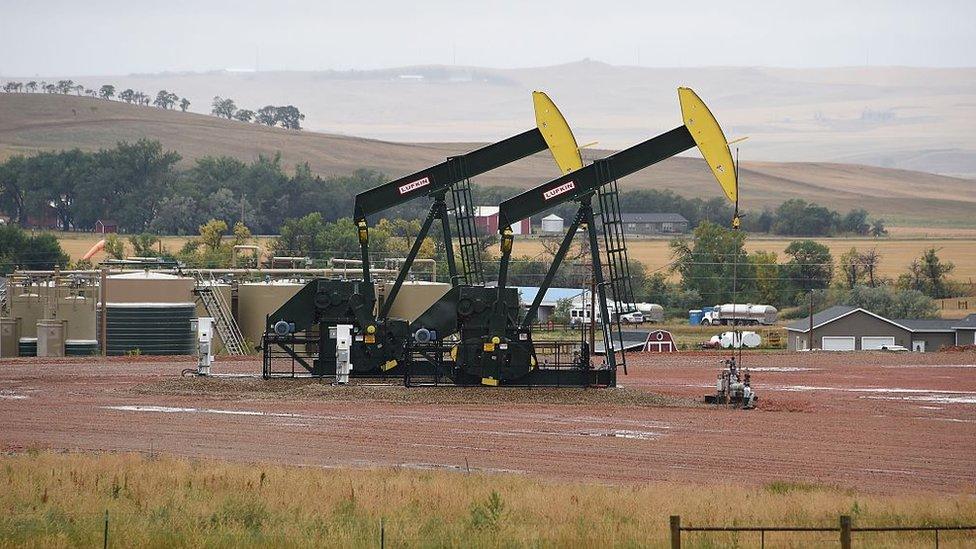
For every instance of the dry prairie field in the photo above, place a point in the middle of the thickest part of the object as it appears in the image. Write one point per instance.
(59, 499)
(896, 253)
(36, 122)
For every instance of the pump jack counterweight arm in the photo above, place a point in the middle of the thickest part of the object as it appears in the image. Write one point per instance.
(439, 177)
(586, 180)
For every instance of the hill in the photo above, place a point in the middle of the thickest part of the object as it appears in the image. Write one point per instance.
(33, 122)
(898, 117)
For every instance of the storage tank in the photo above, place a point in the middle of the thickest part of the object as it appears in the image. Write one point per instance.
(256, 300)
(150, 328)
(27, 303)
(50, 337)
(150, 313)
(764, 314)
(413, 299)
(9, 334)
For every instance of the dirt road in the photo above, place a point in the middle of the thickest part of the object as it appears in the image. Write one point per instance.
(871, 421)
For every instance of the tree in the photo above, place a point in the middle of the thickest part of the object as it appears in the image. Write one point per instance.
(892, 303)
(929, 275)
(91, 93)
(714, 263)
(800, 218)
(244, 115)
(769, 282)
(224, 108)
(31, 86)
(561, 313)
(811, 266)
(165, 99)
(144, 245)
(878, 228)
(850, 265)
(20, 250)
(114, 246)
(108, 91)
(127, 95)
(184, 104)
(65, 86)
(212, 232)
(267, 115)
(242, 235)
(856, 222)
(290, 117)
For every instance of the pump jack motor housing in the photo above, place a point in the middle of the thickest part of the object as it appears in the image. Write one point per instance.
(476, 334)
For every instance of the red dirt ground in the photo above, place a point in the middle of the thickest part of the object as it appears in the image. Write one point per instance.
(874, 422)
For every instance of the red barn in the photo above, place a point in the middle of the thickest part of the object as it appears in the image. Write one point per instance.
(486, 220)
(660, 341)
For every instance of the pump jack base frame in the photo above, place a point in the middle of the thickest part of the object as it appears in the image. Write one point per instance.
(426, 371)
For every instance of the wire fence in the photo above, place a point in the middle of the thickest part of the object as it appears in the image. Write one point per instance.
(845, 531)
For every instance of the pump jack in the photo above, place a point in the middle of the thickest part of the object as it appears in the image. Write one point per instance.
(494, 347)
(379, 344)
(473, 334)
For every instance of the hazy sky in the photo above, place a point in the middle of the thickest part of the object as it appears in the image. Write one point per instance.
(71, 37)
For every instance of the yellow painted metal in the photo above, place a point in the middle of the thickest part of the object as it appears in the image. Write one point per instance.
(489, 381)
(710, 140)
(388, 365)
(557, 133)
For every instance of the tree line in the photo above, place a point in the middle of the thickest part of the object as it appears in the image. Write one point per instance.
(714, 268)
(288, 116)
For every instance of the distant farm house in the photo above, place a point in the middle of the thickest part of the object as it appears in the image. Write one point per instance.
(654, 223)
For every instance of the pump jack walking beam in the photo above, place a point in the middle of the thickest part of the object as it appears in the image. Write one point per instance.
(700, 128)
(552, 132)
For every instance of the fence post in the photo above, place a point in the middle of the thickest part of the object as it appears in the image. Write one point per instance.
(845, 532)
(675, 532)
(382, 533)
(105, 534)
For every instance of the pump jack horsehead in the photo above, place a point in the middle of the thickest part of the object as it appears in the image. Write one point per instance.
(494, 347)
(379, 344)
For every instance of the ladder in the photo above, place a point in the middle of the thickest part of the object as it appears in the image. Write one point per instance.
(217, 307)
(3, 297)
(471, 270)
(618, 267)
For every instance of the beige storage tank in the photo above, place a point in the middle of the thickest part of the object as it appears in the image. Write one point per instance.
(149, 287)
(27, 303)
(413, 299)
(256, 300)
(50, 337)
(9, 336)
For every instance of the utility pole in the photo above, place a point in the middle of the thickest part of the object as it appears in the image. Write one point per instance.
(810, 336)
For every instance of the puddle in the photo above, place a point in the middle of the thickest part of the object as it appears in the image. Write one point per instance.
(626, 433)
(177, 410)
(904, 366)
(783, 369)
(12, 396)
(939, 399)
(890, 471)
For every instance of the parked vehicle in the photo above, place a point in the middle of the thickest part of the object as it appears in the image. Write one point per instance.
(739, 313)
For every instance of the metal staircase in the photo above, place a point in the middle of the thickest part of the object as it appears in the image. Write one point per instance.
(618, 279)
(471, 270)
(218, 308)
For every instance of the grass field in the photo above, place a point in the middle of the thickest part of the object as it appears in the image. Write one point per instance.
(159, 501)
(896, 253)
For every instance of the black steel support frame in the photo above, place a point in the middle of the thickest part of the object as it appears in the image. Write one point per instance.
(437, 210)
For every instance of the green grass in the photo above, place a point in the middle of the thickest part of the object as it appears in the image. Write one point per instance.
(60, 500)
